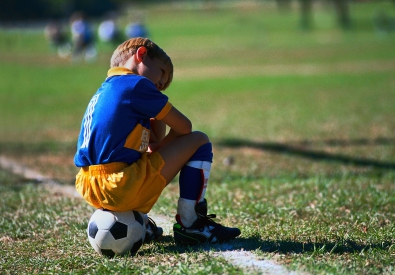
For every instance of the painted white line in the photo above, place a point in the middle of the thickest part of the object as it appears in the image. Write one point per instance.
(30, 174)
(16, 168)
(248, 260)
(244, 259)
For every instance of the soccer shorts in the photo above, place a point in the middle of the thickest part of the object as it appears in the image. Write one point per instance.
(119, 186)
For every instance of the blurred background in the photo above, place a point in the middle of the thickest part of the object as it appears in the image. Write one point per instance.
(79, 29)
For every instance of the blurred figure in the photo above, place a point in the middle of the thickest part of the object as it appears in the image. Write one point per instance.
(136, 29)
(83, 39)
(383, 23)
(57, 37)
(108, 31)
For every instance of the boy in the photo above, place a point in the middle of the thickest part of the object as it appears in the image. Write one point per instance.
(127, 159)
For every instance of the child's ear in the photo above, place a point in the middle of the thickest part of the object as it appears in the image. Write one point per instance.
(141, 53)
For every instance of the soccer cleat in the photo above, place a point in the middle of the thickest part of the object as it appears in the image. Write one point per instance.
(203, 230)
(153, 232)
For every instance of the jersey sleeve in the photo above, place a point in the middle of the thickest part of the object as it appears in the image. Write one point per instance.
(164, 111)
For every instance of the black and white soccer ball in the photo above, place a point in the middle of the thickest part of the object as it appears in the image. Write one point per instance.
(116, 233)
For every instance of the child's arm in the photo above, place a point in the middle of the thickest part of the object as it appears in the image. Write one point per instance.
(179, 125)
(158, 132)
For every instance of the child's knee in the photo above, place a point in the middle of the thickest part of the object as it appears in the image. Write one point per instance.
(203, 153)
(200, 137)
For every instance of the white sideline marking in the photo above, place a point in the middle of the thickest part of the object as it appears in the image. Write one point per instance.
(27, 173)
(248, 260)
(243, 259)
(16, 168)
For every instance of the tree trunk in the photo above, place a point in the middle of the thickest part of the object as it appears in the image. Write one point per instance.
(306, 7)
(343, 13)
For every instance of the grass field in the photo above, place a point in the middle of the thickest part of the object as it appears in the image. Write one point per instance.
(303, 130)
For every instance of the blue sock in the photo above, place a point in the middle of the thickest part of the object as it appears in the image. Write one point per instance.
(194, 175)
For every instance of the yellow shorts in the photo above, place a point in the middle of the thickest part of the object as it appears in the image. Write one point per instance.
(118, 186)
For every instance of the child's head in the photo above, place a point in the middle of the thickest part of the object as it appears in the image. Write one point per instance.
(129, 48)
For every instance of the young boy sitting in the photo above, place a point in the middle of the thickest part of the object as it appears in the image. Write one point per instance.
(127, 159)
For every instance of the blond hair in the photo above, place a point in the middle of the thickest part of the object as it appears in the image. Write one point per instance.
(128, 48)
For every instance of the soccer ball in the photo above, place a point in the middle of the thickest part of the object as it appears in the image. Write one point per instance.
(116, 233)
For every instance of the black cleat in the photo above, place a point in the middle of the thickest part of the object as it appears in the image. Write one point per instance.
(153, 232)
(203, 230)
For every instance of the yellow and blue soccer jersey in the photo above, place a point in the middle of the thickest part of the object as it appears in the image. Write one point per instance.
(116, 124)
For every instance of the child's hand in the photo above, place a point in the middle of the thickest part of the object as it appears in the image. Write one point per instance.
(153, 146)
(158, 130)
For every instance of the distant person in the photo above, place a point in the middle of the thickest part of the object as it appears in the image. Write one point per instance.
(82, 37)
(125, 156)
(136, 29)
(57, 37)
(108, 31)
(383, 23)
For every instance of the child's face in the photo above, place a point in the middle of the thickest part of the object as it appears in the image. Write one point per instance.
(155, 70)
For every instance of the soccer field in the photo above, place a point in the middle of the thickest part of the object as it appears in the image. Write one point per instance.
(302, 124)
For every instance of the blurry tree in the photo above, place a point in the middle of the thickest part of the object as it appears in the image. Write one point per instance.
(306, 7)
(341, 8)
(343, 13)
(15, 10)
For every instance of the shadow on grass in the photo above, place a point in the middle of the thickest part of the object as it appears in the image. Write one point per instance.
(298, 150)
(13, 182)
(269, 246)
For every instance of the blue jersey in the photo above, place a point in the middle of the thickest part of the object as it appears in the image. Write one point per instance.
(116, 124)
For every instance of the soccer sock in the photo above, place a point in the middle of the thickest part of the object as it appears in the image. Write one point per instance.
(193, 183)
(186, 214)
(145, 218)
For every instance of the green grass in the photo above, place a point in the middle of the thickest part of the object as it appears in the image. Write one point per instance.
(306, 117)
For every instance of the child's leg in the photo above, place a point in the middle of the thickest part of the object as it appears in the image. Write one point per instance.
(193, 183)
(191, 155)
(178, 152)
